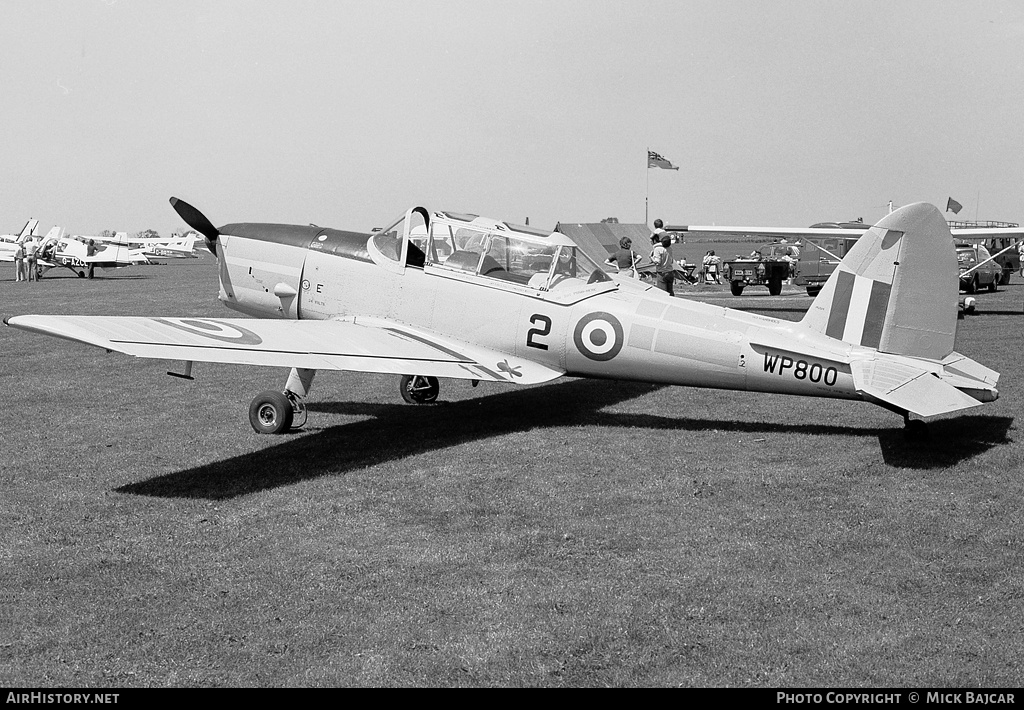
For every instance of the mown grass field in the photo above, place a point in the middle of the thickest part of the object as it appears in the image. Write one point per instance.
(576, 534)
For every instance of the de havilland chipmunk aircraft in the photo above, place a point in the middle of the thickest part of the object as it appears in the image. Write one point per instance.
(440, 294)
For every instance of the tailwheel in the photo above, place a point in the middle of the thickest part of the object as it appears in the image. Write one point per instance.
(915, 429)
(419, 389)
(271, 412)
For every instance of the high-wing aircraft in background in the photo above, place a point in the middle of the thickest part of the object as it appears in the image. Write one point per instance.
(155, 247)
(487, 300)
(826, 243)
(182, 247)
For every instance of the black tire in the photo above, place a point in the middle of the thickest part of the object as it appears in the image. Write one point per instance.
(813, 291)
(419, 389)
(775, 287)
(916, 430)
(972, 285)
(271, 413)
(736, 287)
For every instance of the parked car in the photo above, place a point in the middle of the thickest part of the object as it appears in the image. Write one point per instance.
(973, 276)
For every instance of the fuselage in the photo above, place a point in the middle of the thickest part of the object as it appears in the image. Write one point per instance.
(613, 330)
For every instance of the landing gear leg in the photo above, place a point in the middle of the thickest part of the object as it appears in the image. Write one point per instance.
(300, 382)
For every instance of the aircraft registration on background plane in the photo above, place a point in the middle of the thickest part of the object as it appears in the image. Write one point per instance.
(442, 294)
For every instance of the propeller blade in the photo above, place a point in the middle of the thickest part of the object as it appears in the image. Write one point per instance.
(195, 219)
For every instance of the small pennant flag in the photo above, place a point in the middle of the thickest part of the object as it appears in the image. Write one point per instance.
(953, 205)
(656, 161)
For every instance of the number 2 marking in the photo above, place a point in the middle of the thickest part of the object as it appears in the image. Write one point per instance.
(542, 330)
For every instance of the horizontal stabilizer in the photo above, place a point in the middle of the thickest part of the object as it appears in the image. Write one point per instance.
(367, 346)
(910, 389)
(957, 364)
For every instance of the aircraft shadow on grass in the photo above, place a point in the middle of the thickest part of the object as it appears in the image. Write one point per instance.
(398, 431)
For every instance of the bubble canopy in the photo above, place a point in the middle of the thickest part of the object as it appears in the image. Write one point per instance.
(465, 244)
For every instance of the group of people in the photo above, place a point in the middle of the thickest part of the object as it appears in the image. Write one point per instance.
(661, 256)
(34, 256)
(25, 261)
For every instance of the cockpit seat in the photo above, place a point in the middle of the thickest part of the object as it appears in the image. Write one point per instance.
(465, 260)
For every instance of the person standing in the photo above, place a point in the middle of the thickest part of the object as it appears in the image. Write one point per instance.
(659, 229)
(625, 258)
(715, 266)
(90, 251)
(30, 259)
(19, 262)
(664, 265)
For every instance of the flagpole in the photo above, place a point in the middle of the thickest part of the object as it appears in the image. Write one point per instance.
(647, 189)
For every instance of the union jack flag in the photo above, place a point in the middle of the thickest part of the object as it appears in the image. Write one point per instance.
(656, 161)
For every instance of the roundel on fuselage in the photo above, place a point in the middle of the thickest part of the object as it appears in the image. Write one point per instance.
(598, 336)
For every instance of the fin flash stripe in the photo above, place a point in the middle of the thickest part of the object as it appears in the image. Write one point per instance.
(859, 307)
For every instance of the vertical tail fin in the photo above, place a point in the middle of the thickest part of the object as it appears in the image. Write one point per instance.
(28, 230)
(896, 290)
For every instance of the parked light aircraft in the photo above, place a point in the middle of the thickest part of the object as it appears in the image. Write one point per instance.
(75, 253)
(488, 300)
(8, 249)
(182, 247)
(155, 247)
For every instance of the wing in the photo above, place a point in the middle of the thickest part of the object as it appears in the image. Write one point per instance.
(362, 345)
(974, 234)
(961, 233)
(770, 232)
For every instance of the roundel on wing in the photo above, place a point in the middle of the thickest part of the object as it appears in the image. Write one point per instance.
(213, 329)
(598, 336)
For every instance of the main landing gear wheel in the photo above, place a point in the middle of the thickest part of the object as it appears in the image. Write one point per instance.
(419, 389)
(271, 413)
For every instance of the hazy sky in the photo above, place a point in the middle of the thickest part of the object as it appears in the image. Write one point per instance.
(344, 113)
